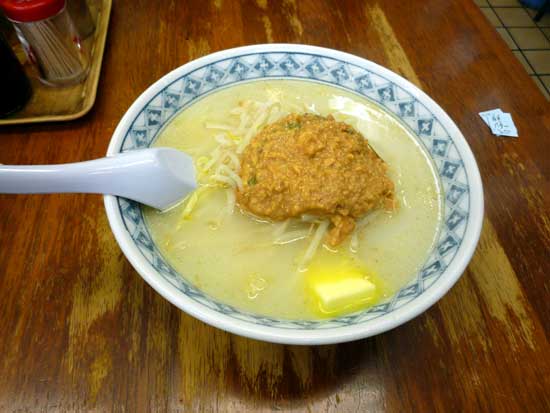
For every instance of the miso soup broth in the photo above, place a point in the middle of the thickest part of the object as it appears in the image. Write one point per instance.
(268, 267)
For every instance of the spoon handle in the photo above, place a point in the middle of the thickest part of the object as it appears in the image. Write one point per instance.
(142, 175)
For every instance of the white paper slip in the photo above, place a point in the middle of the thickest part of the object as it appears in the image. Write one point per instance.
(501, 123)
(486, 116)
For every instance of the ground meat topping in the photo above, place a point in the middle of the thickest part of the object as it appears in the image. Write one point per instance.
(309, 164)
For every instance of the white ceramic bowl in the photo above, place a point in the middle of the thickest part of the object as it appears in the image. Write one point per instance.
(463, 211)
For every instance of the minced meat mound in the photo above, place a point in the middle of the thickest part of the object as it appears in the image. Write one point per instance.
(309, 164)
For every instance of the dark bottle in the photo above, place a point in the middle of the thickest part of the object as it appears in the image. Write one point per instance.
(15, 88)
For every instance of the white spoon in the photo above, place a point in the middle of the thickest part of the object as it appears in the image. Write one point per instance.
(158, 177)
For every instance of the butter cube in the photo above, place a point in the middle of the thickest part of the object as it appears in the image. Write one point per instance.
(336, 295)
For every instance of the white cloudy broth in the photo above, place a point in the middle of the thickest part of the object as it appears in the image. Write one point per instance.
(225, 260)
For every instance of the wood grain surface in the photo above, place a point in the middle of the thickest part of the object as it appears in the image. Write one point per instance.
(81, 331)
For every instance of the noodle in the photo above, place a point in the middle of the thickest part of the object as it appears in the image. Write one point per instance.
(260, 117)
(359, 226)
(223, 179)
(354, 242)
(244, 120)
(230, 196)
(215, 156)
(280, 228)
(233, 159)
(291, 236)
(230, 174)
(223, 140)
(251, 131)
(317, 237)
(190, 203)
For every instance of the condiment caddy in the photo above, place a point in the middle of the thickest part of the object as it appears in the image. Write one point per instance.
(62, 65)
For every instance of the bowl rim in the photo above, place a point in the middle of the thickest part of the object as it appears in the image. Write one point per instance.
(303, 336)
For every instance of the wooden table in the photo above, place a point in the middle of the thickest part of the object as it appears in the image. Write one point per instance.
(81, 331)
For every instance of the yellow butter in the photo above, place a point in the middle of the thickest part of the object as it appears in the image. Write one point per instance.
(339, 285)
(337, 295)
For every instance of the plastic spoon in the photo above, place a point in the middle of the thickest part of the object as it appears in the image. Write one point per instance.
(158, 177)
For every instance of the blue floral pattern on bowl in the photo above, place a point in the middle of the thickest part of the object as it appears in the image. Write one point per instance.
(313, 67)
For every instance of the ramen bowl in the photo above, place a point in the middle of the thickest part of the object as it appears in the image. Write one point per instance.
(462, 212)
